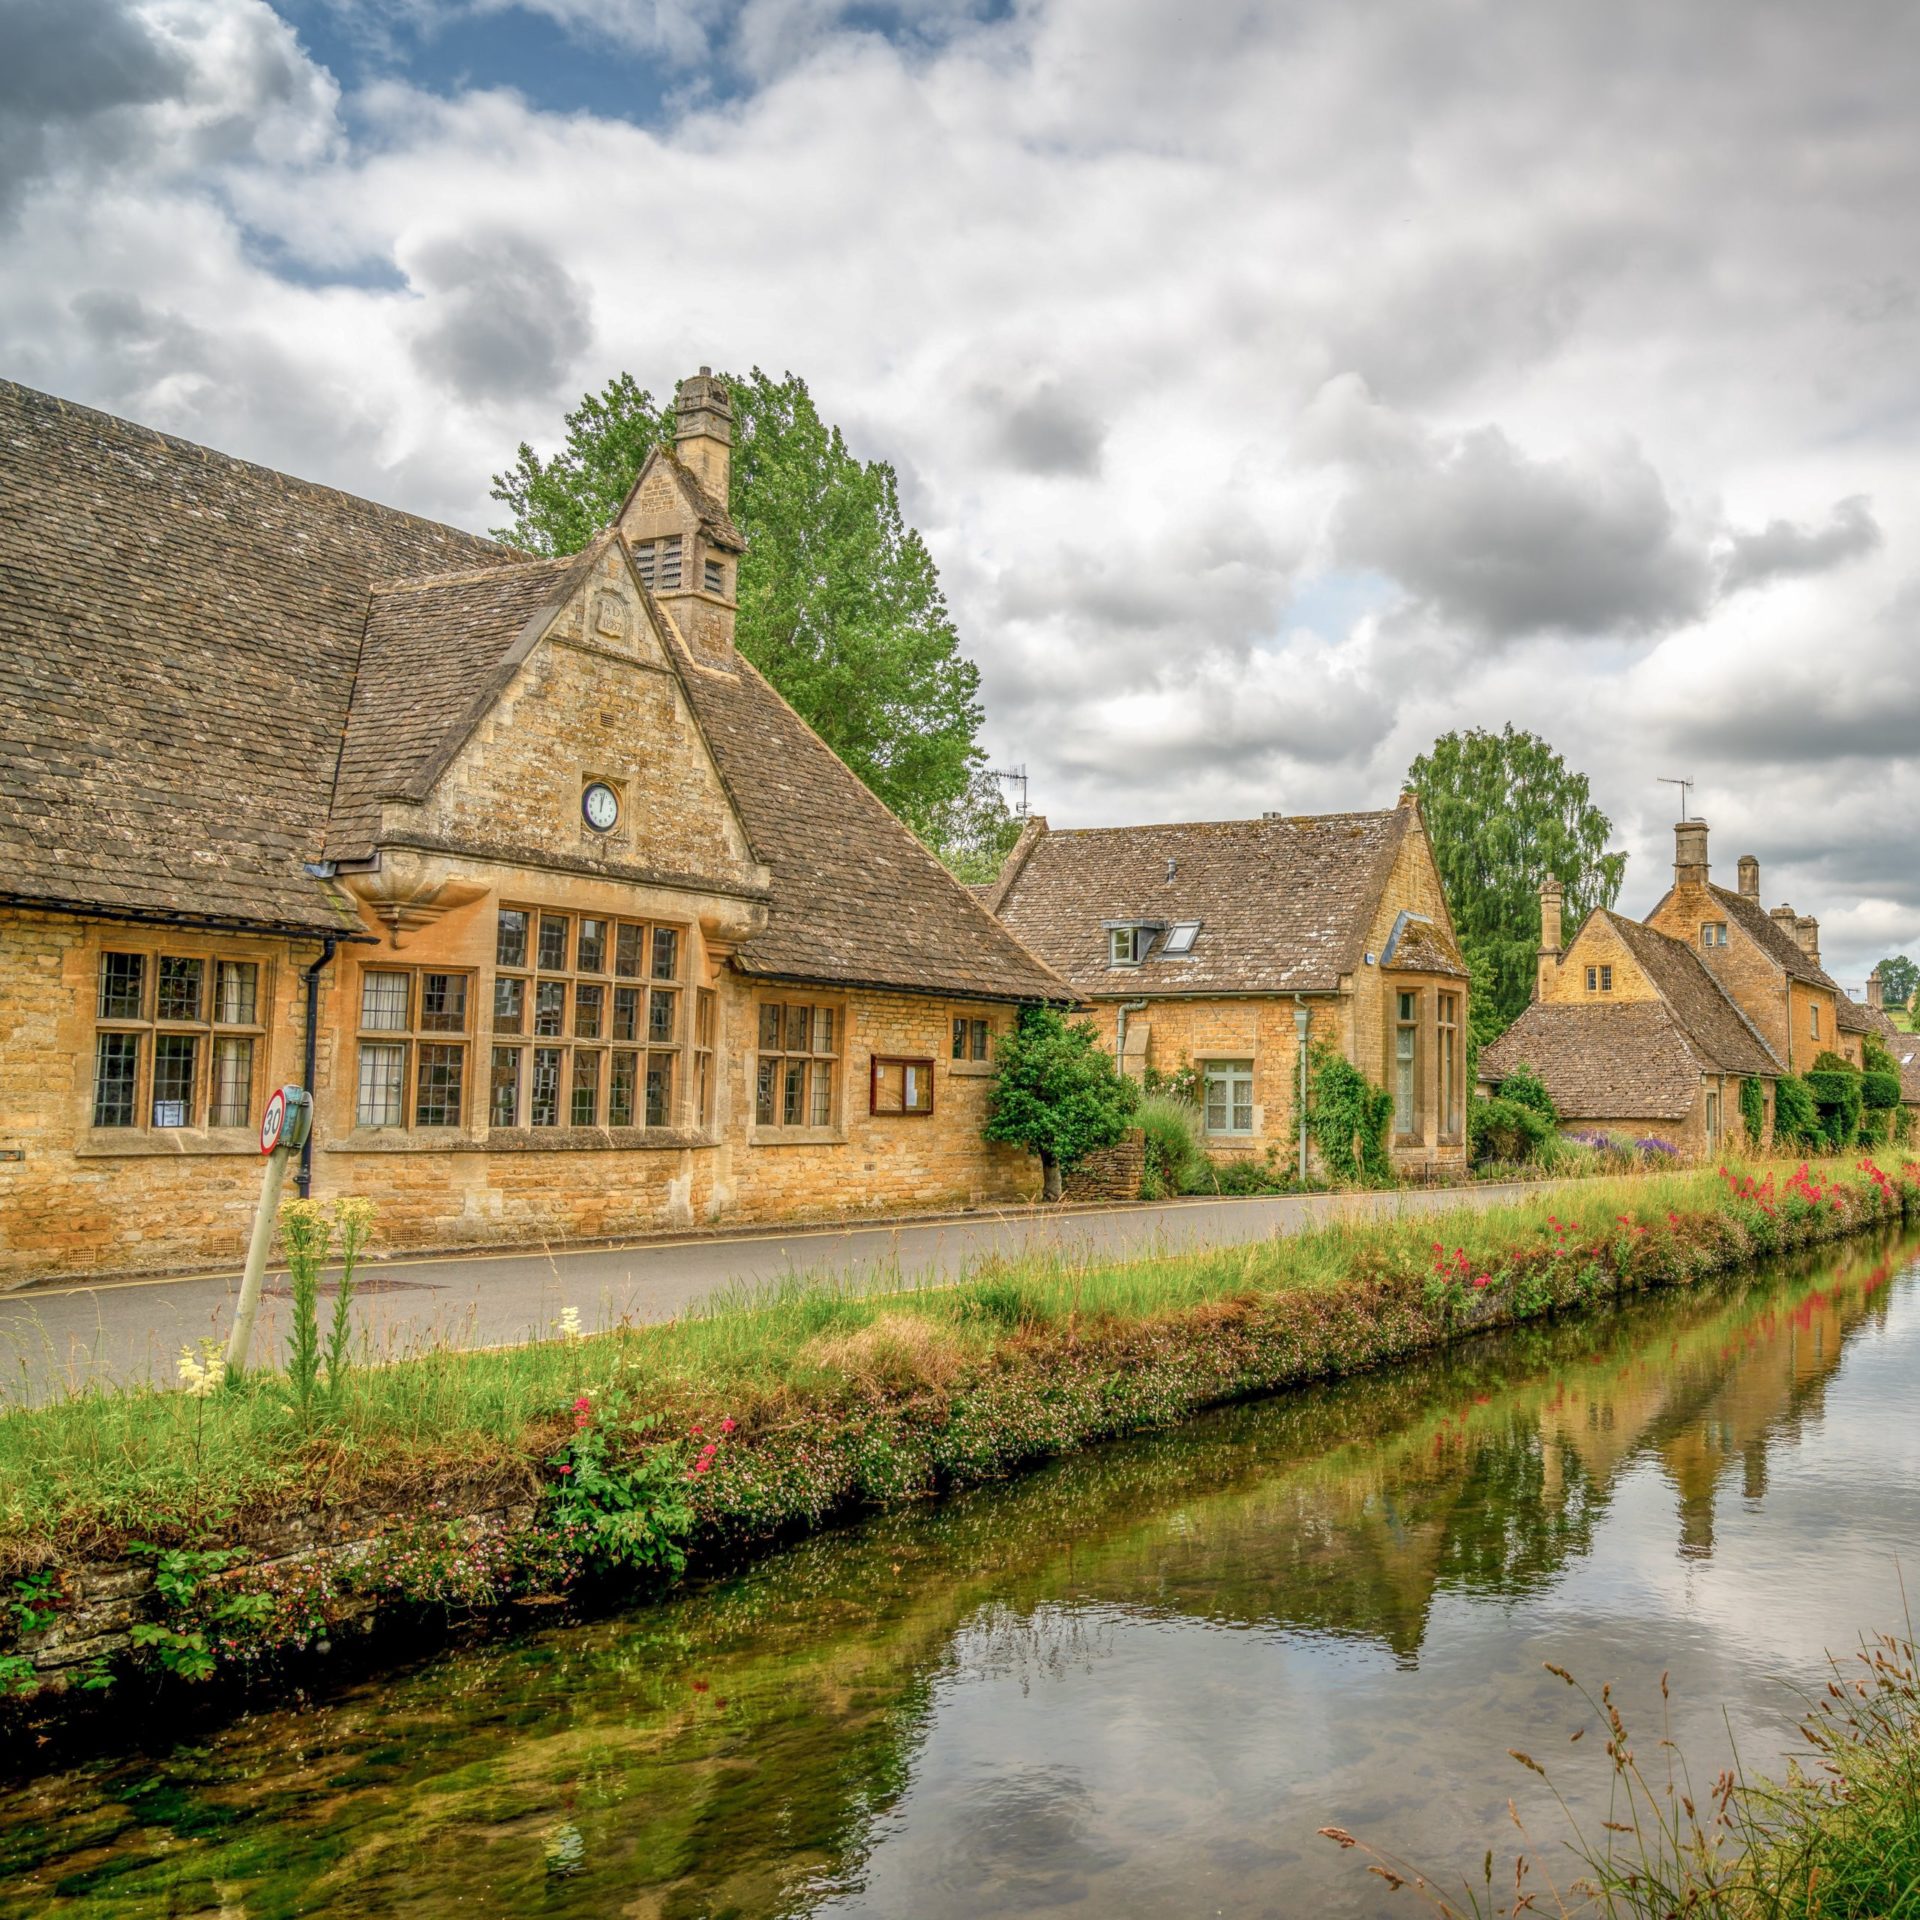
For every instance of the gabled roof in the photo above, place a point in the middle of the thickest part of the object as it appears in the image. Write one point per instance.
(178, 632)
(1284, 904)
(434, 651)
(1629, 1061)
(1725, 1040)
(1419, 944)
(1767, 933)
(1851, 1017)
(856, 898)
(1904, 1047)
(716, 520)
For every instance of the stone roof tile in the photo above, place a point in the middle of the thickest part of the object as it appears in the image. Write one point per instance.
(1630, 1061)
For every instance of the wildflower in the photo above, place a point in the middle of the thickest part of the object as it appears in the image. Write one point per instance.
(203, 1373)
(583, 1405)
(728, 1424)
(570, 1324)
(1482, 1279)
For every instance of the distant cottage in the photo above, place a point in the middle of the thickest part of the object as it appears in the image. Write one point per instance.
(1213, 946)
(571, 922)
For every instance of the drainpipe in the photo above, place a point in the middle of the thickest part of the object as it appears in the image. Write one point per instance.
(312, 977)
(1120, 1029)
(1301, 1016)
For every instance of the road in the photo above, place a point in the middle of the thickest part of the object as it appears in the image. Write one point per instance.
(59, 1338)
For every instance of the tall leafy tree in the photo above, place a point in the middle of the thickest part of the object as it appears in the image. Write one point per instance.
(840, 604)
(1504, 812)
(1898, 978)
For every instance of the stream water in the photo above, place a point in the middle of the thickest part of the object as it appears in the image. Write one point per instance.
(1133, 1684)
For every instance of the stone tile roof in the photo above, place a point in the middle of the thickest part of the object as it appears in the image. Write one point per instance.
(1904, 1046)
(1420, 945)
(435, 650)
(1724, 1038)
(717, 522)
(1851, 1017)
(1284, 905)
(1786, 952)
(1631, 1061)
(178, 631)
(856, 898)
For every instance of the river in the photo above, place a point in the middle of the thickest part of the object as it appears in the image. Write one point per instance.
(1133, 1684)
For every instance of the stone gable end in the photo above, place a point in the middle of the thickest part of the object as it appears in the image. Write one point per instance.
(597, 698)
(1598, 944)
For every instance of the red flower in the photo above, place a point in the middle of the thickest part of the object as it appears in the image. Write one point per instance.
(583, 1405)
(728, 1424)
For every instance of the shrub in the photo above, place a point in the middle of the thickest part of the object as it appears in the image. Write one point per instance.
(1056, 1093)
(1880, 1090)
(1348, 1119)
(1837, 1096)
(1753, 1111)
(1507, 1130)
(1796, 1120)
(1239, 1175)
(1176, 1144)
(1529, 1090)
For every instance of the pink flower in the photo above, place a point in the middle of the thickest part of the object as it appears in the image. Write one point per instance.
(695, 1432)
(1482, 1279)
(728, 1424)
(566, 1469)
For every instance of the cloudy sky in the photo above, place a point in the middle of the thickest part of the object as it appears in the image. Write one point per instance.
(1277, 385)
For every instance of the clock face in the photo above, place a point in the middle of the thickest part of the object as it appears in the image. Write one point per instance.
(601, 806)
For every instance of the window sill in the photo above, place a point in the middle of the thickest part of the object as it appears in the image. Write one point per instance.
(972, 1069)
(759, 1136)
(141, 1143)
(520, 1140)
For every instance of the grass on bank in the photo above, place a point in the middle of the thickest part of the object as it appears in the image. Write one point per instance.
(102, 1467)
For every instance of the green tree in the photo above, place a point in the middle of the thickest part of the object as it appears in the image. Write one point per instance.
(840, 604)
(1504, 812)
(1057, 1093)
(1898, 978)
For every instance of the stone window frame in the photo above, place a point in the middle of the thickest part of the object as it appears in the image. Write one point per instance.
(415, 1037)
(1600, 978)
(1450, 1064)
(771, 1087)
(1713, 935)
(1232, 1073)
(916, 1076)
(1406, 1067)
(147, 1027)
(603, 1077)
(1813, 1009)
(970, 1038)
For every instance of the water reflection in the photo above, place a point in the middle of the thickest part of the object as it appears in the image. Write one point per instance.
(1133, 1684)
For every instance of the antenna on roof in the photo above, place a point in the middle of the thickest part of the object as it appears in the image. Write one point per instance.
(1685, 786)
(1013, 779)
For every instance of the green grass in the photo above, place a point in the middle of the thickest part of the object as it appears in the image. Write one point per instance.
(102, 1466)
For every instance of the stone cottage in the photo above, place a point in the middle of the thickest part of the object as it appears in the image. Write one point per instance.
(1215, 946)
(572, 924)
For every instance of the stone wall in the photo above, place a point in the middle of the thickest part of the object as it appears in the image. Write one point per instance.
(1114, 1173)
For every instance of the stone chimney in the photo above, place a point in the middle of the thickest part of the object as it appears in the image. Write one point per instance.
(1876, 990)
(703, 432)
(1690, 853)
(1806, 929)
(1549, 962)
(1749, 877)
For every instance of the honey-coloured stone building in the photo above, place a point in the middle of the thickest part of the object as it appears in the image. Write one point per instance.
(571, 923)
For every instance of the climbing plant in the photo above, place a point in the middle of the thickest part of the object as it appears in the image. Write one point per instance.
(1348, 1117)
(1753, 1111)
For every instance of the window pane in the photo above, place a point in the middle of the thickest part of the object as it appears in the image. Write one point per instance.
(553, 942)
(959, 1039)
(503, 1098)
(593, 946)
(629, 952)
(545, 1093)
(703, 1017)
(659, 1089)
(662, 1014)
(626, 1012)
(588, 1003)
(978, 1039)
(623, 1073)
(823, 1029)
(585, 1110)
(236, 992)
(116, 1071)
(509, 1005)
(510, 943)
(799, 1025)
(763, 1093)
(443, 1003)
(550, 1007)
(793, 1106)
(666, 953)
(383, 1079)
(383, 1002)
(821, 1112)
(437, 1093)
(173, 1057)
(232, 1083)
(123, 978)
(770, 1029)
(179, 989)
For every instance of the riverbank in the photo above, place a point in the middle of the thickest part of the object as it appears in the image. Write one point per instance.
(154, 1535)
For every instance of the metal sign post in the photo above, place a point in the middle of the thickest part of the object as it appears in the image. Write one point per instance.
(283, 1132)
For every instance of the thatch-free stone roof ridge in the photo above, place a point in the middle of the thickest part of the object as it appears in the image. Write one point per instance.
(178, 637)
(1725, 1039)
(714, 514)
(1628, 1061)
(1284, 903)
(1773, 939)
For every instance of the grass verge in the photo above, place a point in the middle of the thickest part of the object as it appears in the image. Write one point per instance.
(464, 1479)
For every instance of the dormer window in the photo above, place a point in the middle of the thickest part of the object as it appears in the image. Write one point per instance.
(658, 562)
(1124, 946)
(1181, 936)
(714, 576)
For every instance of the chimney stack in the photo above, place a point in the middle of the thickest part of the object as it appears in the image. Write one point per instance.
(1876, 990)
(1549, 962)
(1806, 929)
(1749, 877)
(703, 431)
(1690, 853)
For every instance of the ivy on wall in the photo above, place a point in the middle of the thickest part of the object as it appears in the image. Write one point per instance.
(1753, 1110)
(1348, 1117)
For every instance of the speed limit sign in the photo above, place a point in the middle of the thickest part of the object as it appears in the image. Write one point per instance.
(273, 1122)
(288, 1114)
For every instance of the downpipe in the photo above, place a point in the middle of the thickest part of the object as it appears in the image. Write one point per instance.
(312, 977)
